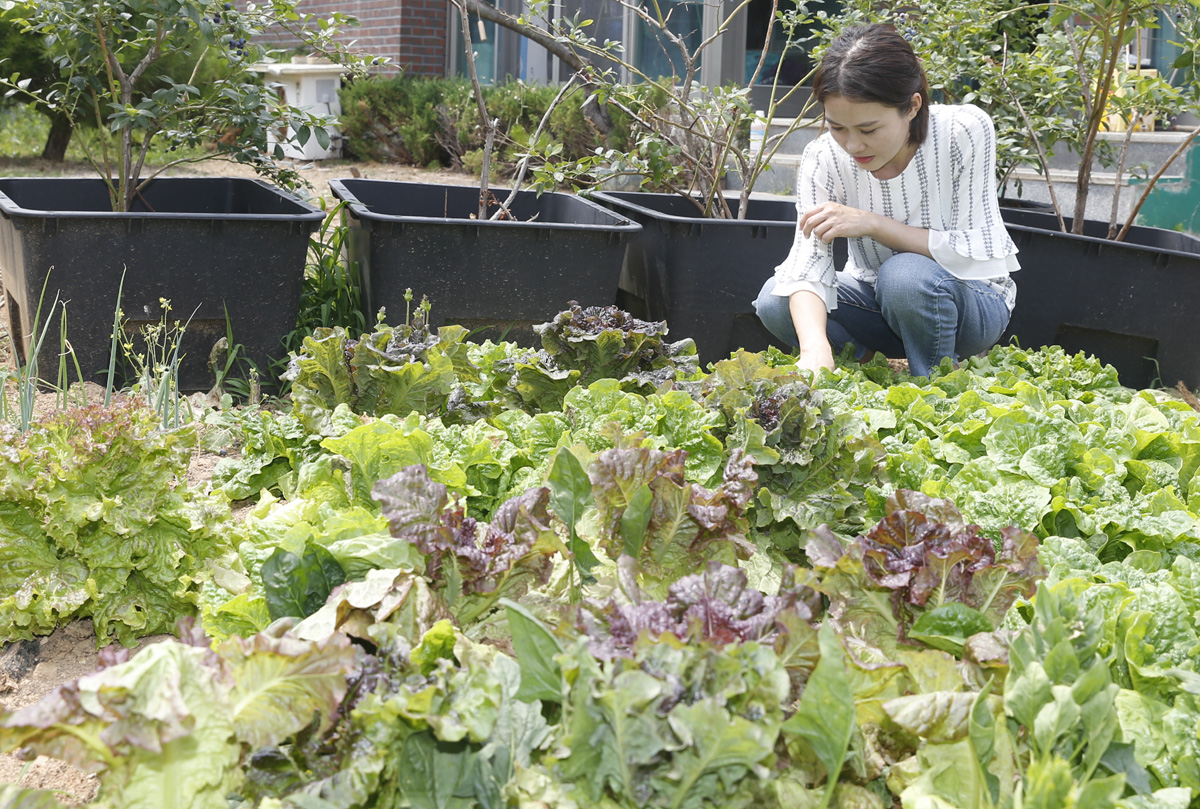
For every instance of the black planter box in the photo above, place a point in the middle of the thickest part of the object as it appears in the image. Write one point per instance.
(497, 278)
(700, 274)
(1132, 303)
(217, 247)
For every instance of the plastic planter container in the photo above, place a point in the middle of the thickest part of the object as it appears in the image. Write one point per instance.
(498, 278)
(701, 275)
(213, 247)
(1131, 303)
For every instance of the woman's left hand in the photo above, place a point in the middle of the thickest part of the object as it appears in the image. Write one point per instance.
(832, 220)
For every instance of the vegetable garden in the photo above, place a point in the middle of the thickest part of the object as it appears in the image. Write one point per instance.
(597, 575)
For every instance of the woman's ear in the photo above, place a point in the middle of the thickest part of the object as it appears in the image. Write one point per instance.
(914, 106)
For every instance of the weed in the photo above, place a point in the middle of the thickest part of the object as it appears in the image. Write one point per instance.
(332, 292)
(26, 377)
(156, 372)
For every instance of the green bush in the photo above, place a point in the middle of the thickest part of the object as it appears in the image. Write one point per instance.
(422, 121)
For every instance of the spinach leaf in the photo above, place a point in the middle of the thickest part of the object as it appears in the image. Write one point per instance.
(298, 585)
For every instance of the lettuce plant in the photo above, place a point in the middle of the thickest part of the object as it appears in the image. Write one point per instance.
(924, 574)
(584, 344)
(173, 726)
(97, 522)
(716, 606)
(471, 569)
(814, 462)
(669, 725)
(395, 369)
(647, 511)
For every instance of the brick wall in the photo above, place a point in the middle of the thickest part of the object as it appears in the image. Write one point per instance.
(423, 37)
(412, 33)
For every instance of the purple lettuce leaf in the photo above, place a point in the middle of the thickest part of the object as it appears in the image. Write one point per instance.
(514, 550)
(920, 556)
(715, 606)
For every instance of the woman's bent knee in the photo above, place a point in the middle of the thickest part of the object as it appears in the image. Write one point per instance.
(775, 313)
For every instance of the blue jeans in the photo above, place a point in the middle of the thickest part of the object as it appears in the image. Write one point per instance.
(916, 309)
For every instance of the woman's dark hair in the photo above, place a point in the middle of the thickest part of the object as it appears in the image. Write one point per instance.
(875, 63)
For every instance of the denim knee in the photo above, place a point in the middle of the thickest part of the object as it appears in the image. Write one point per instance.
(775, 313)
(906, 278)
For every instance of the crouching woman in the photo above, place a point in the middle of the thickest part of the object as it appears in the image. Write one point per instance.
(911, 186)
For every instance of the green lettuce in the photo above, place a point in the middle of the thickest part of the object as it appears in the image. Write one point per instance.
(171, 726)
(97, 521)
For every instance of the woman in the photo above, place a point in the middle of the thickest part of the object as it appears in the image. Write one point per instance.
(912, 187)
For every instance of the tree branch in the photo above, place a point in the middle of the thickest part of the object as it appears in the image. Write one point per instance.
(584, 68)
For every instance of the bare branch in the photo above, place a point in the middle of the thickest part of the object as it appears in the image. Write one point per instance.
(1153, 180)
(1037, 142)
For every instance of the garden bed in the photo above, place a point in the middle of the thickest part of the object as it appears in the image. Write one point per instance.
(608, 480)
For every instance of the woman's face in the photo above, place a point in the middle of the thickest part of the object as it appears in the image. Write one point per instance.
(875, 135)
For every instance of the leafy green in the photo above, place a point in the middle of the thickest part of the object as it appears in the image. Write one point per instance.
(923, 568)
(297, 585)
(814, 462)
(96, 521)
(825, 719)
(167, 727)
(394, 370)
(671, 725)
(471, 573)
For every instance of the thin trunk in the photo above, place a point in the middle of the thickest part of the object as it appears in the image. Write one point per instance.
(58, 139)
(1154, 180)
(489, 127)
(593, 110)
(1095, 121)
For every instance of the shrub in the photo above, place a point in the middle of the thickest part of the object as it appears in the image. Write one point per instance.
(422, 121)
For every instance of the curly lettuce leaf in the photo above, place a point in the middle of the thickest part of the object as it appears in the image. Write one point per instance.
(470, 571)
(97, 522)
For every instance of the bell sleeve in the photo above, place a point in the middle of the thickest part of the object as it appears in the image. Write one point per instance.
(975, 244)
(809, 265)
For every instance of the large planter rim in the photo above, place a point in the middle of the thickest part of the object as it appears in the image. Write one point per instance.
(9, 207)
(617, 223)
(1111, 244)
(621, 199)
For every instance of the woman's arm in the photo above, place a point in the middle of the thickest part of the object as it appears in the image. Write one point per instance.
(831, 220)
(809, 319)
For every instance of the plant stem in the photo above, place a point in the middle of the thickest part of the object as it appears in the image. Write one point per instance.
(1037, 142)
(524, 164)
(1096, 119)
(1154, 180)
(489, 126)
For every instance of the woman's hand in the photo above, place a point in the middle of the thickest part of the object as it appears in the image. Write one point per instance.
(815, 357)
(832, 220)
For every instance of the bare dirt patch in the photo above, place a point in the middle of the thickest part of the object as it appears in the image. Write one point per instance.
(29, 671)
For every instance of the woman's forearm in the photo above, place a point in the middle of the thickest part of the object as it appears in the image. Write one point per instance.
(901, 237)
(809, 319)
(831, 220)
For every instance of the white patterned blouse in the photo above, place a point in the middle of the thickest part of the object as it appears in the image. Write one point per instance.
(947, 188)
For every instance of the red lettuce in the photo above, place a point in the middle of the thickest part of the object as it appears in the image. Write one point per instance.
(926, 573)
(471, 570)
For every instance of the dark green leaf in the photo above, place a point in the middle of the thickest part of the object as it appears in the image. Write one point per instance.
(1119, 759)
(636, 519)
(570, 495)
(825, 718)
(535, 647)
(947, 627)
(297, 586)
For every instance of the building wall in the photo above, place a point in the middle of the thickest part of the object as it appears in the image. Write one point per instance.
(423, 37)
(411, 33)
